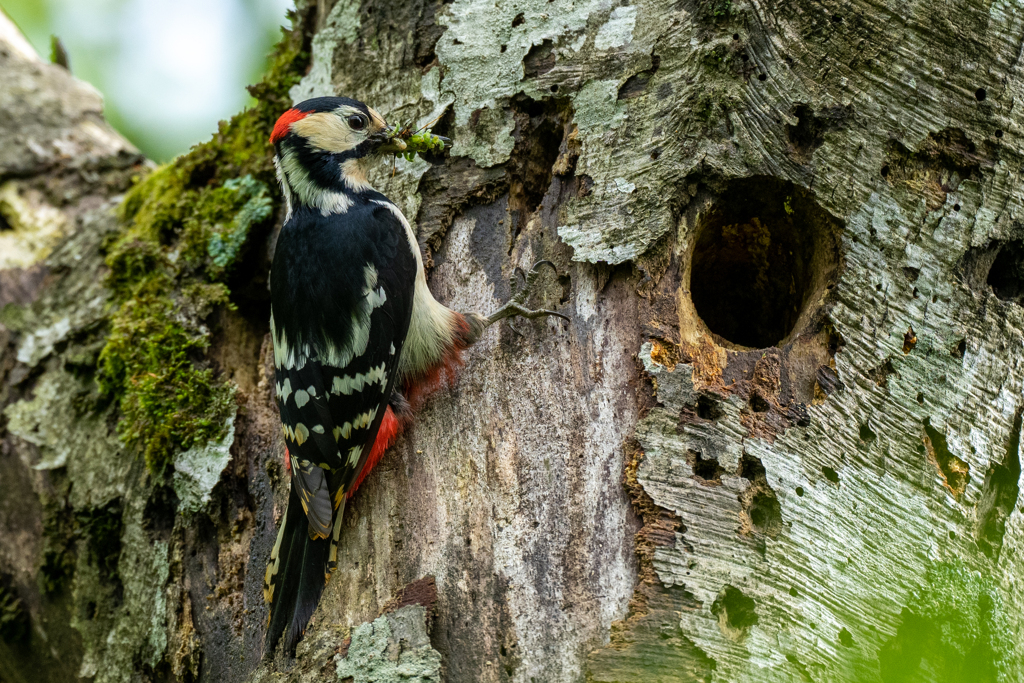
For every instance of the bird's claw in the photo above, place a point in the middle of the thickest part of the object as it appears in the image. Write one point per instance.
(516, 305)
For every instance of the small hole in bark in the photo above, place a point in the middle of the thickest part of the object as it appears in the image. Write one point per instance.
(999, 133)
(959, 349)
(866, 435)
(792, 591)
(1006, 277)
(830, 474)
(554, 88)
(750, 467)
(980, 94)
(765, 512)
(519, 20)
(744, 58)
(952, 535)
(845, 638)
(762, 77)
(707, 408)
(916, 293)
(762, 260)
(800, 491)
(920, 397)
(885, 171)
(503, 48)
(758, 404)
(735, 611)
(956, 207)
(837, 19)
(707, 469)
(656, 153)
(456, 41)
(735, 36)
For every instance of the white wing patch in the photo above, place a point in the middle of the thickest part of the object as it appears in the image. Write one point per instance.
(348, 384)
(362, 421)
(354, 454)
(335, 355)
(301, 398)
(340, 356)
(286, 357)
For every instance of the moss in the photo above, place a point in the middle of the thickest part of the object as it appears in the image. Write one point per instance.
(954, 626)
(183, 228)
(169, 402)
(14, 619)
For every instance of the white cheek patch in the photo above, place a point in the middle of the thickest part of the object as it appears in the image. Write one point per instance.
(308, 192)
(328, 131)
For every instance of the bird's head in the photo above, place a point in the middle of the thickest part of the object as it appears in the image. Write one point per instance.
(324, 146)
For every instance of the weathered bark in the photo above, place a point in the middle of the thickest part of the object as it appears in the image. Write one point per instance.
(778, 440)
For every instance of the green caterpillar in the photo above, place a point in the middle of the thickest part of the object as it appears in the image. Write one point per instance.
(407, 144)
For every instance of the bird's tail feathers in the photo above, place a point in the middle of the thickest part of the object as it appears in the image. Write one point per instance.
(296, 576)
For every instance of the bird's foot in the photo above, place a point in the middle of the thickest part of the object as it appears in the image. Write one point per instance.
(516, 306)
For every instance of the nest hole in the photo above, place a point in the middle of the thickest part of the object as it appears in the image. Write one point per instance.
(763, 260)
(1006, 277)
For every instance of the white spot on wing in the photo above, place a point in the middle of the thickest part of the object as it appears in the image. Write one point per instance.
(354, 454)
(348, 384)
(340, 356)
(301, 398)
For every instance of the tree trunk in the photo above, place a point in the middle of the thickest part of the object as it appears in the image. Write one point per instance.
(778, 439)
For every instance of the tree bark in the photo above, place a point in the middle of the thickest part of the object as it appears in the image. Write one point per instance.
(778, 439)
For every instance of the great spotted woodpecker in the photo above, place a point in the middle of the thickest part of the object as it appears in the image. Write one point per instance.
(358, 338)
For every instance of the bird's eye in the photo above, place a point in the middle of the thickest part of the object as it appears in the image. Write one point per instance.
(357, 122)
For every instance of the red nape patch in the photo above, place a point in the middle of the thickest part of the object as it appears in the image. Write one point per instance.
(444, 374)
(284, 124)
(390, 428)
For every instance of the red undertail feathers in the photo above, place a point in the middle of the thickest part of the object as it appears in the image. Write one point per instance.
(445, 372)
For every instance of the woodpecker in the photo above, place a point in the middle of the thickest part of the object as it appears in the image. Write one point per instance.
(359, 340)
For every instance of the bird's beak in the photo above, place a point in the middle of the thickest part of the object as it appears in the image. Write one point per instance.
(387, 142)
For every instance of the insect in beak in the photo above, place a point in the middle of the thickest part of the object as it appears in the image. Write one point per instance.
(388, 143)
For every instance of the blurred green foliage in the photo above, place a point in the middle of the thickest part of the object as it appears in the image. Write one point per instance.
(169, 70)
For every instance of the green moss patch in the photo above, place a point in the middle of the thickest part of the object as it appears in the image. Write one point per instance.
(184, 227)
(954, 628)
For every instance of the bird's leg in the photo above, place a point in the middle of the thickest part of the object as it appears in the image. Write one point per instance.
(516, 306)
